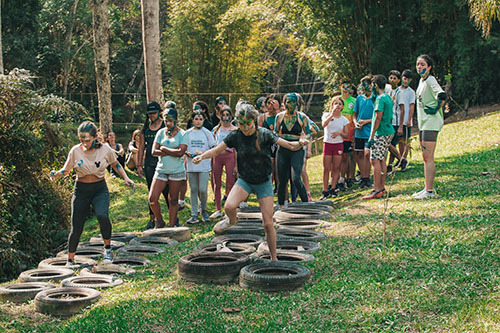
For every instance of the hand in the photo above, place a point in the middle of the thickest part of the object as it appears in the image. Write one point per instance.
(130, 182)
(335, 134)
(235, 171)
(370, 143)
(197, 159)
(408, 123)
(308, 154)
(400, 130)
(52, 174)
(303, 142)
(139, 171)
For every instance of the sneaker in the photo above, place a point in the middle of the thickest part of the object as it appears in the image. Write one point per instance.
(349, 182)
(340, 187)
(380, 194)
(70, 263)
(243, 204)
(404, 165)
(204, 216)
(370, 195)
(365, 182)
(333, 193)
(222, 226)
(325, 195)
(216, 215)
(150, 225)
(108, 256)
(389, 169)
(182, 205)
(193, 220)
(416, 194)
(177, 224)
(285, 205)
(397, 164)
(424, 195)
(309, 197)
(160, 224)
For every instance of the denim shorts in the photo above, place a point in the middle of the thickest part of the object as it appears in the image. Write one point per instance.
(170, 176)
(262, 190)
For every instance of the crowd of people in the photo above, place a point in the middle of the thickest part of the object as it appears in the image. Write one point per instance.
(263, 149)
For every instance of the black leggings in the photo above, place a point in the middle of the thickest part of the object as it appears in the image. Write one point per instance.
(84, 195)
(285, 159)
(149, 172)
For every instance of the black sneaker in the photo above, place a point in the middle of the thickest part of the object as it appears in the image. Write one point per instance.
(177, 224)
(404, 165)
(333, 193)
(349, 182)
(150, 225)
(389, 169)
(397, 164)
(325, 195)
(340, 187)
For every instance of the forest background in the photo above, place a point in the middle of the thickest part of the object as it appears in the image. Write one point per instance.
(208, 48)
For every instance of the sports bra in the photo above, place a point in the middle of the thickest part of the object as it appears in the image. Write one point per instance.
(296, 128)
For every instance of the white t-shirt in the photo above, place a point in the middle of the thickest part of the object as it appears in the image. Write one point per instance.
(335, 125)
(396, 112)
(406, 97)
(199, 140)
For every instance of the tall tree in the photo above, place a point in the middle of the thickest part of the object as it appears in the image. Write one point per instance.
(67, 47)
(483, 12)
(100, 26)
(1, 54)
(151, 45)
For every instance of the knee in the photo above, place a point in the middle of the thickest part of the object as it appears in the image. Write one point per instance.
(228, 206)
(102, 216)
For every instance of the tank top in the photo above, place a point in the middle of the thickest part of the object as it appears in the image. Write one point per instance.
(296, 128)
(149, 139)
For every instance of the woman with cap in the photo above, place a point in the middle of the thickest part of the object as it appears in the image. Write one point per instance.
(170, 144)
(146, 162)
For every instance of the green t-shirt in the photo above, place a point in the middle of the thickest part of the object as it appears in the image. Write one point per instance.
(427, 92)
(348, 109)
(383, 103)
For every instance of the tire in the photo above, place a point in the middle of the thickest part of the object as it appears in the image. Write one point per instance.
(301, 214)
(245, 229)
(96, 281)
(283, 256)
(180, 234)
(252, 222)
(65, 301)
(60, 262)
(131, 261)
(293, 245)
(88, 252)
(22, 292)
(247, 239)
(299, 234)
(153, 240)
(124, 237)
(108, 269)
(236, 248)
(274, 276)
(249, 209)
(46, 274)
(213, 268)
(139, 250)
(115, 245)
(321, 205)
(249, 216)
(304, 224)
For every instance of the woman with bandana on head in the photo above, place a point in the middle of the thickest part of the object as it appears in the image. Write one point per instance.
(170, 144)
(291, 125)
(89, 159)
(226, 159)
(253, 145)
(430, 100)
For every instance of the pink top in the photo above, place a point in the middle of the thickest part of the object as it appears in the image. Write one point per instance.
(90, 163)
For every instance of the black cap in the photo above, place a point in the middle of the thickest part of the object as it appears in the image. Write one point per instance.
(153, 107)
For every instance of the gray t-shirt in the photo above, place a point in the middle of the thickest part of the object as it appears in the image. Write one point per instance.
(406, 97)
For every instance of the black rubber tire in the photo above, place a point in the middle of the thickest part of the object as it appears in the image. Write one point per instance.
(108, 269)
(301, 214)
(250, 209)
(283, 256)
(248, 239)
(245, 229)
(321, 205)
(123, 237)
(253, 222)
(295, 245)
(115, 245)
(131, 261)
(139, 251)
(236, 248)
(60, 262)
(303, 224)
(46, 274)
(180, 234)
(50, 301)
(214, 268)
(299, 234)
(22, 292)
(88, 252)
(154, 240)
(96, 281)
(274, 276)
(249, 216)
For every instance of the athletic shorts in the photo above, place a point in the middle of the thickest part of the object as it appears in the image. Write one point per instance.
(262, 190)
(170, 176)
(360, 144)
(348, 147)
(380, 146)
(429, 136)
(335, 149)
(395, 137)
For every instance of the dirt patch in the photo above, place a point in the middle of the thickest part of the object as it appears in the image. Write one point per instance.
(472, 113)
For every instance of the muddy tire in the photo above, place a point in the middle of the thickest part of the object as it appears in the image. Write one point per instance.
(245, 229)
(108, 269)
(180, 234)
(274, 276)
(301, 214)
(292, 245)
(115, 245)
(304, 224)
(60, 262)
(96, 281)
(88, 252)
(214, 268)
(65, 301)
(45, 274)
(139, 250)
(123, 237)
(236, 248)
(22, 292)
(247, 239)
(249, 209)
(154, 240)
(131, 261)
(300, 234)
(283, 256)
(320, 205)
(249, 216)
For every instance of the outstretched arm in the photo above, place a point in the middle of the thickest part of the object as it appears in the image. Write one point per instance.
(121, 171)
(292, 145)
(210, 153)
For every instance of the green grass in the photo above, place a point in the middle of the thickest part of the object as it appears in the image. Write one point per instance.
(437, 271)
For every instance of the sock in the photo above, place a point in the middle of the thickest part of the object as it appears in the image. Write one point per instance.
(71, 260)
(107, 247)
(341, 180)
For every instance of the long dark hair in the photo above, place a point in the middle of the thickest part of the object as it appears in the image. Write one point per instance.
(226, 108)
(90, 128)
(429, 62)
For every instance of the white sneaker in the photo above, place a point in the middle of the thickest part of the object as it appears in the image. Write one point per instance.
(216, 215)
(108, 256)
(286, 204)
(416, 194)
(424, 195)
(243, 204)
(263, 247)
(221, 226)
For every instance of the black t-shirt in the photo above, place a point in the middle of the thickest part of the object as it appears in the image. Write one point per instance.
(214, 119)
(149, 139)
(253, 166)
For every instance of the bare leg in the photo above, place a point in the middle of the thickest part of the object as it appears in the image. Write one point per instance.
(428, 149)
(266, 208)
(157, 188)
(337, 161)
(327, 165)
(173, 199)
(235, 197)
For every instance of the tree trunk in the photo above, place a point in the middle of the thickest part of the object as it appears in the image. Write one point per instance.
(67, 48)
(151, 45)
(1, 52)
(100, 25)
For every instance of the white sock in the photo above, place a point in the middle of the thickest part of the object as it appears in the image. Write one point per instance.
(341, 180)
(181, 202)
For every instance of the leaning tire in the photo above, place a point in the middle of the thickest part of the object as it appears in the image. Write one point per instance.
(299, 234)
(139, 250)
(245, 229)
(180, 234)
(96, 281)
(154, 240)
(46, 274)
(131, 261)
(248, 239)
(216, 268)
(301, 214)
(236, 248)
(283, 256)
(108, 269)
(65, 301)
(88, 252)
(22, 292)
(304, 224)
(292, 245)
(274, 276)
(60, 262)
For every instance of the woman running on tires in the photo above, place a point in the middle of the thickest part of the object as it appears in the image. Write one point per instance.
(430, 100)
(89, 159)
(253, 147)
(170, 144)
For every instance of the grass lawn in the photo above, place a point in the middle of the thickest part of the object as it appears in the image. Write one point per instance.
(438, 270)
